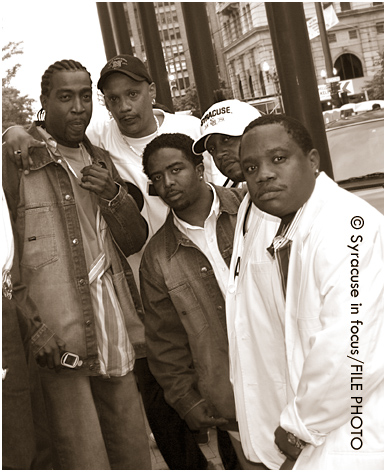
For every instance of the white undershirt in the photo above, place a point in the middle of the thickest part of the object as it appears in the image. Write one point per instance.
(205, 238)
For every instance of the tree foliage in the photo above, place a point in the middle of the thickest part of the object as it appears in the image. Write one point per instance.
(375, 88)
(17, 109)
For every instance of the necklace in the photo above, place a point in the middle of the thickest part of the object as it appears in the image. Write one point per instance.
(139, 154)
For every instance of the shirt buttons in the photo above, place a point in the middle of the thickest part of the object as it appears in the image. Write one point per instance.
(82, 282)
(204, 269)
(219, 308)
(231, 289)
(59, 161)
(75, 241)
(88, 322)
(67, 197)
(91, 366)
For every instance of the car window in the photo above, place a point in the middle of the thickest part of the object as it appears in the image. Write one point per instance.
(356, 150)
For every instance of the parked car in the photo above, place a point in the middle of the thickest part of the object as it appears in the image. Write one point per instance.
(357, 154)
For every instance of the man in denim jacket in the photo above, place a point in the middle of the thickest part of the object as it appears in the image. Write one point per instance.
(184, 273)
(76, 225)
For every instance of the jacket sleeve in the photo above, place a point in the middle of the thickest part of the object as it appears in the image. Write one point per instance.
(128, 227)
(344, 357)
(168, 352)
(31, 326)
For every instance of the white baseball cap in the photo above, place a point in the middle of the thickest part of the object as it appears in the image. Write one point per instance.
(229, 117)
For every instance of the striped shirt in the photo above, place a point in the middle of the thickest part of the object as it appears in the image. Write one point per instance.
(281, 245)
(115, 351)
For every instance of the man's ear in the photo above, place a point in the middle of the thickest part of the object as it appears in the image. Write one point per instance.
(43, 101)
(200, 170)
(152, 91)
(314, 158)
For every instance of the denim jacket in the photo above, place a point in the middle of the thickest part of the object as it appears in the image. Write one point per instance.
(185, 322)
(52, 258)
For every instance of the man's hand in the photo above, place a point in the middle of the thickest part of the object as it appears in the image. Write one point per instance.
(200, 417)
(289, 450)
(49, 355)
(17, 144)
(97, 179)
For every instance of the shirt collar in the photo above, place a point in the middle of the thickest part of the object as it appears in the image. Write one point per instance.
(214, 210)
(286, 231)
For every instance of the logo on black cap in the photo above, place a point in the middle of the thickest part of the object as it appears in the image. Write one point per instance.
(117, 63)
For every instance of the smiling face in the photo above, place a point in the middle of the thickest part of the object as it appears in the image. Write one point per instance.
(130, 103)
(68, 106)
(176, 180)
(280, 176)
(225, 152)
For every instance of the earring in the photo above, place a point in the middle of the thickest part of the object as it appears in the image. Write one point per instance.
(153, 101)
(316, 172)
(200, 177)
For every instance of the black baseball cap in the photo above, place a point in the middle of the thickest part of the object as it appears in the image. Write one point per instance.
(128, 65)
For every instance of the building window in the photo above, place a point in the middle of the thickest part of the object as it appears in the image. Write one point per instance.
(240, 88)
(348, 67)
(251, 86)
(331, 37)
(345, 6)
(380, 28)
(182, 84)
(353, 34)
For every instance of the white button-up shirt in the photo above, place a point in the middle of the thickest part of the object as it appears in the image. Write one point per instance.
(205, 238)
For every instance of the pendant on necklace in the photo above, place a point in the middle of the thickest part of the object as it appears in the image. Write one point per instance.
(139, 154)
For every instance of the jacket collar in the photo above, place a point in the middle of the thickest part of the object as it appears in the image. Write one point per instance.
(229, 203)
(325, 189)
(41, 157)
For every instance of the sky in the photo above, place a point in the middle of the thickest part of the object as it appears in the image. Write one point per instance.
(51, 31)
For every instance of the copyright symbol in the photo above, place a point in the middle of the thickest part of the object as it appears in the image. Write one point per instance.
(357, 222)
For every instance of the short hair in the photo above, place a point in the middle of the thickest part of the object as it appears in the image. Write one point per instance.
(171, 140)
(294, 128)
(65, 64)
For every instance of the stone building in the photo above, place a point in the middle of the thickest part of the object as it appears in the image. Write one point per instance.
(244, 53)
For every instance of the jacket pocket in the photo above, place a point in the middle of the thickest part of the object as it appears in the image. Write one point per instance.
(39, 247)
(188, 309)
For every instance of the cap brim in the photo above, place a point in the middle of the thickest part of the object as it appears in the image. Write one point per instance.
(113, 71)
(198, 146)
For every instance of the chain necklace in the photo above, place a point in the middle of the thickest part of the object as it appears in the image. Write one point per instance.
(139, 154)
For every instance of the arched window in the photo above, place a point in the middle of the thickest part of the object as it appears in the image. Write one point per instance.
(348, 67)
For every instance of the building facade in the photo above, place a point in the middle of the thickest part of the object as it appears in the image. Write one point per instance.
(243, 48)
(356, 44)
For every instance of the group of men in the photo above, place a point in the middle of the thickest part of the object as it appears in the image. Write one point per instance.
(231, 303)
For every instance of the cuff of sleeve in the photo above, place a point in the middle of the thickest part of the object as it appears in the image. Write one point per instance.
(291, 421)
(13, 126)
(117, 199)
(184, 405)
(41, 338)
